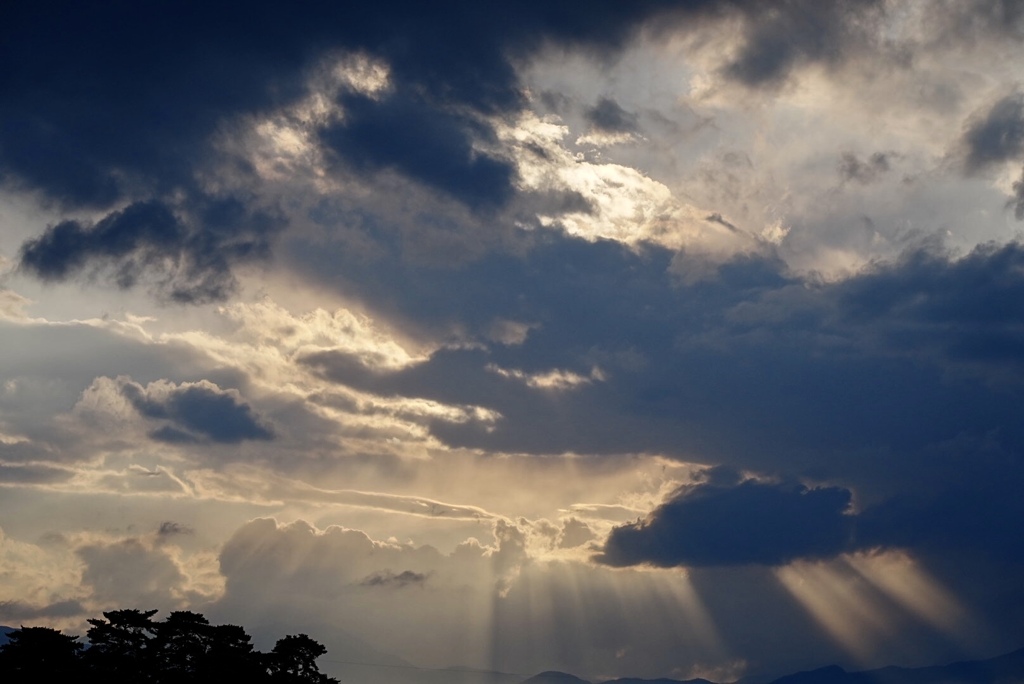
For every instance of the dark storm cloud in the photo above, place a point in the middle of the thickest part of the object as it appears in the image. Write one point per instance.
(987, 518)
(423, 142)
(456, 376)
(886, 382)
(757, 523)
(685, 362)
(101, 110)
(64, 248)
(186, 259)
(99, 106)
(996, 135)
(609, 117)
(751, 523)
(961, 311)
(195, 412)
(783, 35)
(172, 435)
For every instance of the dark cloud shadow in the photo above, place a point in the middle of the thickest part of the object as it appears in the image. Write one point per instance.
(423, 142)
(185, 254)
(996, 135)
(608, 116)
(782, 36)
(197, 412)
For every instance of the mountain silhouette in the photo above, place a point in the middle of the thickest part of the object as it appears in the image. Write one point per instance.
(831, 674)
(554, 677)
(1004, 669)
(660, 680)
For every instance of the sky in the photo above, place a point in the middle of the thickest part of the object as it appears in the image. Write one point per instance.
(649, 338)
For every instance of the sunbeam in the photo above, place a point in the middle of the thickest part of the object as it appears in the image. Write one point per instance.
(855, 618)
(908, 584)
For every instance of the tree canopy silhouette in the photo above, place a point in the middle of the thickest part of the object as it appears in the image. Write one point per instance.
(129, 646)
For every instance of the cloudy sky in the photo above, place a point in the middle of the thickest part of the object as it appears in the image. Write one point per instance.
(622, 338)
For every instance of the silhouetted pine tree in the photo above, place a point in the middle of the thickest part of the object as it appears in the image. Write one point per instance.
(128, 647)
(35, 654)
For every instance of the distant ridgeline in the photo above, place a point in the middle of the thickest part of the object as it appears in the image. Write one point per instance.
(128, 647)
(1004, 669)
